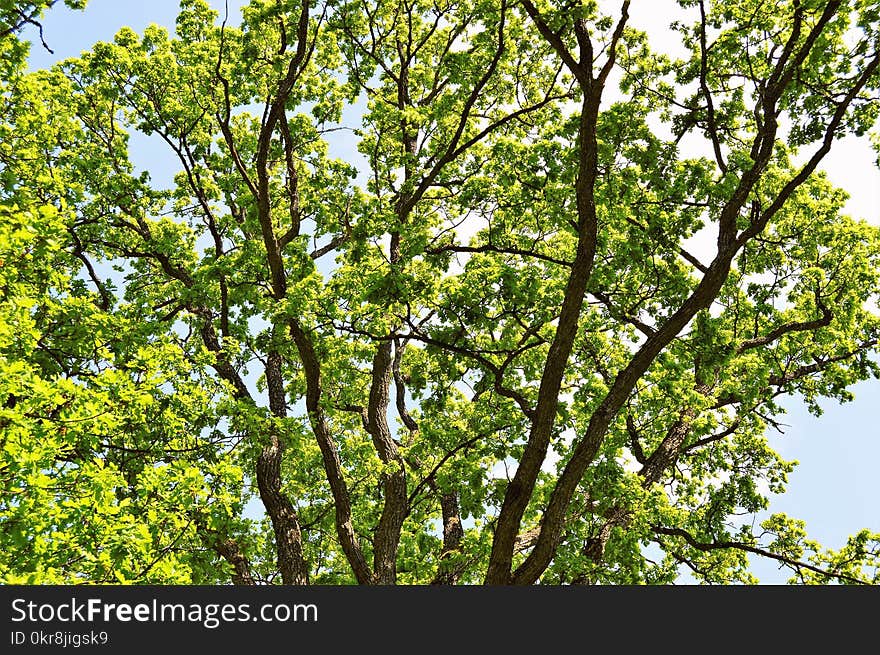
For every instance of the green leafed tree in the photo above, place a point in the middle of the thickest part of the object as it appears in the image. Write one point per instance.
(422, 302)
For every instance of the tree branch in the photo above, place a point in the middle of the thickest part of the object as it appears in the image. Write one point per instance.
(763, 552)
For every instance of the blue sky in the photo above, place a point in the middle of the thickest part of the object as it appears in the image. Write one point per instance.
(835, 488)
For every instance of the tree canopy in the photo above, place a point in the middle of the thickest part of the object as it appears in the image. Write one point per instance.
(480, 349)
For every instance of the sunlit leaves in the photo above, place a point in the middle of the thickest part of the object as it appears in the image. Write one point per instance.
(415, 169)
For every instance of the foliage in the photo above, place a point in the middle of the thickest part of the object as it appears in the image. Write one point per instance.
(472, 343)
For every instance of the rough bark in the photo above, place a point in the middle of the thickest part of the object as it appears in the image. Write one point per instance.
(447, 572)
(285, 522)
(520, 488)
(394, 511)
(330, 456)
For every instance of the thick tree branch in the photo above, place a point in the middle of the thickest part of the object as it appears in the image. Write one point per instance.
(701, 298)
(332, 464)
(788, 328)
(394, 511)
(520, 488)
(285, 521)
(582, 75)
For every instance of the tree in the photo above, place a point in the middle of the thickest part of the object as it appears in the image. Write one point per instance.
(481, 351)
